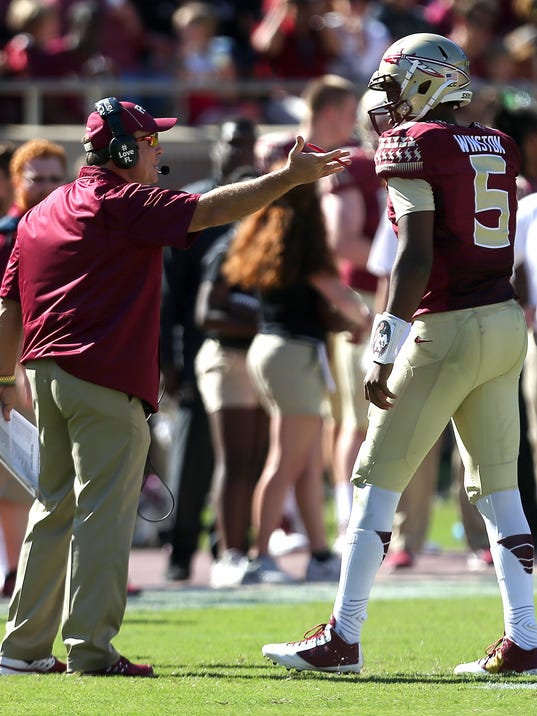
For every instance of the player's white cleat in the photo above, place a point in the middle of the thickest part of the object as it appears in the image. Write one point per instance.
(323, 650)
(503, 657)
(18, 667)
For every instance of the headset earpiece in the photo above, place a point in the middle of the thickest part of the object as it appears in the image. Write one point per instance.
(123, 147)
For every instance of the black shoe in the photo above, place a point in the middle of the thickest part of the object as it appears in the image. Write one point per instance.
(9, 584)
(178, 572)
(133, 590)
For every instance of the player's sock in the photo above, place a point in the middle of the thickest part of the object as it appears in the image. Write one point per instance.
(511, 545)
(343, 503)
(368, 538)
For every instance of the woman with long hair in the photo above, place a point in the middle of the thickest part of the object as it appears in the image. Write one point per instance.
(282, 253)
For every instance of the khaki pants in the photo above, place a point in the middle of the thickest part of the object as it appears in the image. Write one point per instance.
(93, 446)
(466, 366)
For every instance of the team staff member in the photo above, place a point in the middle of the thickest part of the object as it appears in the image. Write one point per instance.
(452, 198)
(36, 168)
(83, 288)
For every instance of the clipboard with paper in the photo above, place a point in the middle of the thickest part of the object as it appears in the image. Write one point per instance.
(19, 451)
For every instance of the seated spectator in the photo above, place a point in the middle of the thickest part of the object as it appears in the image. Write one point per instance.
(237, 20)
(522, 40)
(38, 50)
(293, 41)
(474, 29)
(439, 14)
(402, 17)
(204, 58)
(363, 39)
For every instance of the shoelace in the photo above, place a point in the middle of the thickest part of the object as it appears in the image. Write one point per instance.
(492, 653)
(315, 633)
(491, 650)
(44, 664)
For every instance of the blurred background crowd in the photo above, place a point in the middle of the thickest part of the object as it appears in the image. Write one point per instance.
(216, 58)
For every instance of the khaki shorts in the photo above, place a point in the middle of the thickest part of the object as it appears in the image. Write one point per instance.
(466, 366)
(347, 362)
(223, 379)
(348, 404)
(288, 375)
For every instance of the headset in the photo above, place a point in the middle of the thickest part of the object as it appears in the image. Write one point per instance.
(123, 147)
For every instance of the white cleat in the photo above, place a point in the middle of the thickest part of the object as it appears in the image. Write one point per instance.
(323, 651)
(503, 657)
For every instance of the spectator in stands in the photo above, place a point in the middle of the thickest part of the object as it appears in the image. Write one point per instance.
(39, 50)
(294, 40)
(517, 115)
(402, 17)
(522, 39)
(237, 20)
(362, 38)
(204, 58)
(439, 14)
(474, 29)
(6, 186)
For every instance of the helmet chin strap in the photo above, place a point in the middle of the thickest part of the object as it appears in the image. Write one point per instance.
(432, 101)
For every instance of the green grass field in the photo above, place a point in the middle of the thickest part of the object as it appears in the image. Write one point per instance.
(206, 650)
(209, 662)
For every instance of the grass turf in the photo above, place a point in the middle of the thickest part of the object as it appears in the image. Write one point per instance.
(209, 662)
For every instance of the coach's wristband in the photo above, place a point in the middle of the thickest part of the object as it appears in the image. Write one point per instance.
(7, 380)
(387, 336)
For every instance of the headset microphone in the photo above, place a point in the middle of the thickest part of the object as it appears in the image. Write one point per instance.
(164, 169)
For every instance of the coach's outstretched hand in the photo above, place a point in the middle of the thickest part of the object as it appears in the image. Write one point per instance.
(232, 202)
(305, 167)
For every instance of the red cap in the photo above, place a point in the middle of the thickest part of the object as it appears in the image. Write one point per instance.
(133, 118)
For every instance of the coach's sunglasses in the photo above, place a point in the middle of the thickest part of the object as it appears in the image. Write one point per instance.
(151, 139)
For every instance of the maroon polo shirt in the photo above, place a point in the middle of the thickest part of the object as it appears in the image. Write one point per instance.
(87, 268)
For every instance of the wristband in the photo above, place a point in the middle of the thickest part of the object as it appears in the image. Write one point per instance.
(387, 336)
(7, 380)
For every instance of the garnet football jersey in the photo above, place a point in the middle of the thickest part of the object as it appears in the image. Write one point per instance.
(472, 171)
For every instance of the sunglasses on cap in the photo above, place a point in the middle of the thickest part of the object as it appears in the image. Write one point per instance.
(151, 139)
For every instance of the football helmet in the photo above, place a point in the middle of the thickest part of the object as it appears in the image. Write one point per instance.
(417, 73)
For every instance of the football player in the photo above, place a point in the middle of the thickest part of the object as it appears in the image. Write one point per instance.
(456, 346)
